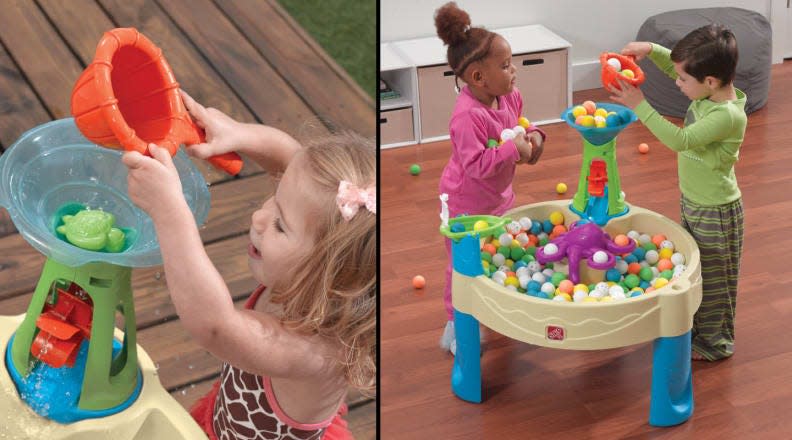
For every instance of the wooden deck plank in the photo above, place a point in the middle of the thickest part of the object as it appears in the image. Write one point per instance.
(47, 62)
(253, 78)
(321, 83)
(20, 108)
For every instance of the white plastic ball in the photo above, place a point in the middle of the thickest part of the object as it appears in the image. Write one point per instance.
(504, 269)
(633, 234)
(578, 295)
(542, 235)
(597, 293)
(601, 287)
(548, 272)
(538, 277)
(519, 130)
(513, 228)
(507, 134)
(644, 263)
(534, 266)
(522, 238)
(523, 271)
(600, 257)
(548, 288)
(559, 298)
(524, 280)
(615, 290)
(619, 296)
(510, 287)
(644, 238)
(677, 258)
(499, 277)
(498, 259)
(622, 266)
(525, 223)
(655, 271)
(667, 244)
(550, 249)
(505, 239)
(652, 257)
(615, 63)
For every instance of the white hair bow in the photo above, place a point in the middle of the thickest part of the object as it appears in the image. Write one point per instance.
(350, 198)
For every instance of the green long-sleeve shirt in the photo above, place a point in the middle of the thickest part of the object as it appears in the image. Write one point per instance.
(707, 146)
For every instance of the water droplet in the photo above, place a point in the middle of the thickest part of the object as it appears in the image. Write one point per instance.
(191, 366)
(183, 392)
(157, 275)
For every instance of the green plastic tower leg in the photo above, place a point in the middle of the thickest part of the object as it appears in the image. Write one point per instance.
(108, 382)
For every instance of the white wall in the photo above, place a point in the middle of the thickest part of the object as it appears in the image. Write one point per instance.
(590, 26)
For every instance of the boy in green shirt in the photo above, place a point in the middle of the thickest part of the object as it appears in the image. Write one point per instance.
(703, 64)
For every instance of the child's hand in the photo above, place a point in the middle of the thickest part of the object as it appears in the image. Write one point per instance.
(524, 147)
(221, 129)
(153, 182)
(538, 147)
(638, 49)
(629, 95)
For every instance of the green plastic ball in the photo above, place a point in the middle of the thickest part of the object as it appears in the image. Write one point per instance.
(667, 274)
(557, 278)
(486, 257)
(646, 274)
(415, 169)
(505, 251)
(492, 143)
(632, 280)
(517, 253)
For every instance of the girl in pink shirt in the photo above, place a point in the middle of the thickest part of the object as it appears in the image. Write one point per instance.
(478, 179)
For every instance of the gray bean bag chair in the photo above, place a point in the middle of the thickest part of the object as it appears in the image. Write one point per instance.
(754, 43)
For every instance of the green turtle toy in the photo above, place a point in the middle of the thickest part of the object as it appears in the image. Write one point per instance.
(92, 230)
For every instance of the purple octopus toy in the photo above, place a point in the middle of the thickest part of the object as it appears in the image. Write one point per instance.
(582, 241)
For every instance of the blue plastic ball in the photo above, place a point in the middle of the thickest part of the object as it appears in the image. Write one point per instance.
(613, 275)
(519, 264)
(644, 284)
(457, 227)
(547, 226)
(635, 293)
(536, 227)
(542, 295)
(640, 253)
(533, 286)
(631, 259)
(613, 120)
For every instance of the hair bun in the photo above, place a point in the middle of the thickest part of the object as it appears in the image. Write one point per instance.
(451, 23)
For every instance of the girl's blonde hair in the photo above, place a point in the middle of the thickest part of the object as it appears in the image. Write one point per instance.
(333, 289)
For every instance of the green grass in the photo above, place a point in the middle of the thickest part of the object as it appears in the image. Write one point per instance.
(346, 30)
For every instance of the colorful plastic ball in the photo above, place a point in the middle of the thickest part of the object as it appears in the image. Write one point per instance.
(646, 274)
(612, 275)
(489, 248)
(585, 121)
(660, 282)
(621, 266)
(632, 281)
(512, 281)
(667, 274)
(633, 268)
(504, 250)
(615, 63)
(550, 249)
(634, 293)
(486, 256)
(677, 258)
(612, 120)
(606, 299)
(522, 238)
(519, 131)
(415, 169)
(627, 73)
(630, 259)
(644, 285)
(600, 257)
(657, 239)
(542, 295)
(666, 244)
(457, 227)
(590, 299)
(639, 253)
(507, 134)
(499, 277)
(418, 282)
(649, 246)
(565, 286)
(558, 230)
(578, 111)
(579, 296)
(517, 253)
(643, 148)
(536, 227)
(557, 277)
(548, 288)
(523, 122)
(505, 239)
(644, 238)
(590, 107)
(562, 297)
(525, 223)
(652, 257)
(480, 225)
(599, 122)
(582, 287)
(621, 240)
(547, 226)
(513, 227)
(498, 259)
(665, 253)
(492, 143)
(561, 188)
(664, 264)
(556, 218)
(601, 112)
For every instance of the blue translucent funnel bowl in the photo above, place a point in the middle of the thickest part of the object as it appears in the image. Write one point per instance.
(601, 136)
(53, 165)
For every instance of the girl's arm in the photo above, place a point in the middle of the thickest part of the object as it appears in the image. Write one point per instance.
(470, 141)
(267, 146)
(249, 340)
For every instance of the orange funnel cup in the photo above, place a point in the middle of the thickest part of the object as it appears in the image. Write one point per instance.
(128, 97)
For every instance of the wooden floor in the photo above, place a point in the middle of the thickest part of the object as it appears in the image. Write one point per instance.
(246, 58)
(535, 392)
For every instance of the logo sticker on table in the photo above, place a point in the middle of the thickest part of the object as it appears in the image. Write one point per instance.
(555, 333)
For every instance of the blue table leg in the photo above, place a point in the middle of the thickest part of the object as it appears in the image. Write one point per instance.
(466, 374)
(672, 382)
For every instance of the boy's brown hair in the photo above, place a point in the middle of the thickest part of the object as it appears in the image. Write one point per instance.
(710, 50)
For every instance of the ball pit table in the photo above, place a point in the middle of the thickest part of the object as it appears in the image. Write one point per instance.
(664, 316)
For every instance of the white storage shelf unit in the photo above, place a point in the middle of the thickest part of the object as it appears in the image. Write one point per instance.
(541, 57)
(398, 117)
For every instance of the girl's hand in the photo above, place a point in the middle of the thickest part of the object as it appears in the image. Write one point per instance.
(221, 129)
(538, 147)
(638, 49)
(629, 95)
(153, 182)
(524, 147)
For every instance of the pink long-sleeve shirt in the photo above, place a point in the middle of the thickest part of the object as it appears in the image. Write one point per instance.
(477, 179)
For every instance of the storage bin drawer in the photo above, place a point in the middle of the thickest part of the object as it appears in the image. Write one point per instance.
(437, 97)
(542, 80)
(396, 126)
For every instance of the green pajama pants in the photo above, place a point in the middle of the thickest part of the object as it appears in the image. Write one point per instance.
(718, 231)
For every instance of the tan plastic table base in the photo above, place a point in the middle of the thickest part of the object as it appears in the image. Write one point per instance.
(154, 415)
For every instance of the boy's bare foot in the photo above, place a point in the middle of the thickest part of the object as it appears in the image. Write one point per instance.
(696, 356)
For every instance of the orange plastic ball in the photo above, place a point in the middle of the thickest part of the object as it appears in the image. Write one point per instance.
(634, 268)
(533, 240)
(566, 286)
(489, 248)
(590, 107)
(419, 282)
(664, 264)
(621, 240)
(657, 239)
(643, 148)
(559, 229)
